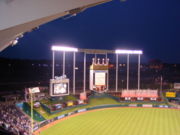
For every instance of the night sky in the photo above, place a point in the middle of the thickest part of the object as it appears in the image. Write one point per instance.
(150, 25)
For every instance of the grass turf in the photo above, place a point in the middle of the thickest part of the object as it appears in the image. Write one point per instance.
(120, 121)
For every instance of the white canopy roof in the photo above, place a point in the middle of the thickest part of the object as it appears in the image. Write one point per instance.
(20, 16)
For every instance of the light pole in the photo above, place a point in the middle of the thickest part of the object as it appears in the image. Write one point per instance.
(61, 49)
(64, 49)
(116, 72)
(127, 85)
(74, 72)
(139, 68)
(84, 86)
(161, 85)
(107, 72)
(64, 62)
(32, 125)
(53, 61)
(31, 92)
(122, 84)
(128, 52)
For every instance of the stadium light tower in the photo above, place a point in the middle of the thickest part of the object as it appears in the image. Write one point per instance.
(128, 52)
(64, 49)
(84, 83)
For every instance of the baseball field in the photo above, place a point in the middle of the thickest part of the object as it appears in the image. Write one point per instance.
(119, 121)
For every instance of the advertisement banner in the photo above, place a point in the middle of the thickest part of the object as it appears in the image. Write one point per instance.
(71, 113)
(132, 105)
(176, 85)
(163, 106)
(60, 117)
(34, 90)
(81, 110)
(171, 94)
(147, 105)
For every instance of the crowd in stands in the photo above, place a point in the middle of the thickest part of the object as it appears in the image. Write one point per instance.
(13, 120)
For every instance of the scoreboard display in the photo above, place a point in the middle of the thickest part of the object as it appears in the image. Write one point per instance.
(59, 87)
(171, 94)
(100, 78)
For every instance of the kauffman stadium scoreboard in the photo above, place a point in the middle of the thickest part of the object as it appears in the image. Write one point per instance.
(99, 75)
(59, 87)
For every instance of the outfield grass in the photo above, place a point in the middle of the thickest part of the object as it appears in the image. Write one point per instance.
(120, 121)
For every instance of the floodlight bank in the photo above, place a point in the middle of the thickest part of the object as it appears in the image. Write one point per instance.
(129, 51)
(64, 48)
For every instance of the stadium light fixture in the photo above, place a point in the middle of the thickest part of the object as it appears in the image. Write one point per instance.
(64, 49)
(128, 51)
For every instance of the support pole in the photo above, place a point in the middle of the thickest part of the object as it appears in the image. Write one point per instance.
(84, 88)
(53, 62)
(74, 72)
(95, 56)
(64, 59)
(116, 72)
(127, 72)
(32, 126)
(139, 70)
(107, 75)
(161, 83)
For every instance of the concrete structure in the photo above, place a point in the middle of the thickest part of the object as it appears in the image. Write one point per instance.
(20, 16)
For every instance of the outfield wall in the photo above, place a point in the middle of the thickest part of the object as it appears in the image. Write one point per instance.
(100, 107)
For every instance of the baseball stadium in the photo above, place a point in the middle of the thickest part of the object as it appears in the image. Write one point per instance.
(99, 96)
(98, 108)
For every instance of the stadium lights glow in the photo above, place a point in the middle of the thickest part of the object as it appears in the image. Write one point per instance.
(129, 51)
(64, 48)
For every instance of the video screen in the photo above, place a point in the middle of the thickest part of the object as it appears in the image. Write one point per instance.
(60, 88)
(100, 78)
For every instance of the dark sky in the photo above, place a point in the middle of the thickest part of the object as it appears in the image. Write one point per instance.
(150, 25)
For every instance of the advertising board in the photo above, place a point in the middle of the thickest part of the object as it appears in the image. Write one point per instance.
(171, 94)
(34, 90)
(176, 85)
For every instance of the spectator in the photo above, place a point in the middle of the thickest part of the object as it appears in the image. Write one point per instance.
(13, 120)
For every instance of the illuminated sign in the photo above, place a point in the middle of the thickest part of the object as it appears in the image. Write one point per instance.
(170, 94)
(34, 90)
(59, 87)
(100, 78)
(176, 85)
(70, 103)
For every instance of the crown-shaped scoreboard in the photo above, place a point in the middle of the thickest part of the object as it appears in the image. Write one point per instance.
(99, 75)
